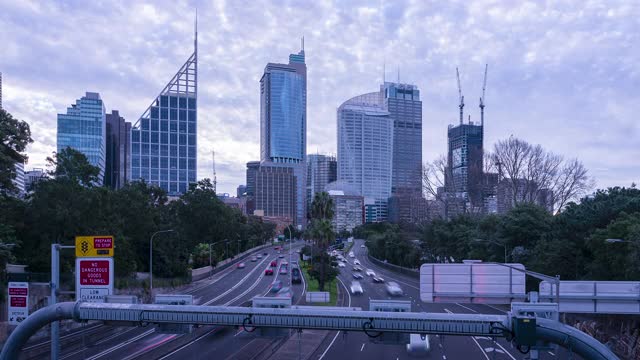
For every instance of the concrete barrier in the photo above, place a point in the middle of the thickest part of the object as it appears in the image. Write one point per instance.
(414, 273)
(203, 272)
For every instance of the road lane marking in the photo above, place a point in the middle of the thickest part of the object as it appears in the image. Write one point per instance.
(362, 348)
(444, 357)
(338, 333)
(505, 350)
(449, 311)
(468, 308)
(550, 353)
(188, 344)
(109, 351)
(479, 347)
(236, 285)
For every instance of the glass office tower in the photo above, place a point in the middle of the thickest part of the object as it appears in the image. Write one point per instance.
(83, 128)
(164, 140)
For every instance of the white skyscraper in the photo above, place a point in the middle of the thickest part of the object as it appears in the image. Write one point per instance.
(365, 151)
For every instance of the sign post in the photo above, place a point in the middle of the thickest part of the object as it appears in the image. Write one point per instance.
(18, 302)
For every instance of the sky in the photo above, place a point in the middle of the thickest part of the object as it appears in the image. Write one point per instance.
(562, 74)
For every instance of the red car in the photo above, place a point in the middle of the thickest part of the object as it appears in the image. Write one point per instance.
(268, 271)
(274, 263)
(241, 265)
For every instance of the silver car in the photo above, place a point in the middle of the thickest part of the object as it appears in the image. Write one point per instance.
(370, 272)
(356, 288)
(394, 289)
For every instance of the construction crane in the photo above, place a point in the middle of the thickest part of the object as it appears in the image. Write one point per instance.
(484, 86)
(461, 106)
(215, 179)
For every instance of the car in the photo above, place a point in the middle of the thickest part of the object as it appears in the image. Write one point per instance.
(378, 279)
(281, 256)
(370, 272)
(394, 289)
(274, 263)
(296, 278)
(357, 276)
(357, 268)
(352, 255)
(259, 256)
(276, 286)
(265, 253)
(356, 262)
(418, 345)
(283, 270)
(356, 288)
(285, 292)
(362, 246)
(241, 265)
(254, 259)
(268, 271)
(341, 264)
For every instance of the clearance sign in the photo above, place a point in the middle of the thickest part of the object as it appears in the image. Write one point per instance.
(94, 268)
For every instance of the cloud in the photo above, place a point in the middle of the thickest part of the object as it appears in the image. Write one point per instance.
(563, 75)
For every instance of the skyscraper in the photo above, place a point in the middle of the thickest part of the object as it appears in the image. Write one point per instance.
(118, 154)
(83, 128)
(163, 141)
(365, 151)
(321, 170)
(465, 158)
(283, 122)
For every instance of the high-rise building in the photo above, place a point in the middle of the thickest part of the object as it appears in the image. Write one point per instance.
(402, 101)
(83, 128)
(163, 141)
(465, 158)
(321, 170)
(275, 190)
(283, 122)
(365, 151)
(348, 206)
(118, 154)
(33, 176)
(241, 191)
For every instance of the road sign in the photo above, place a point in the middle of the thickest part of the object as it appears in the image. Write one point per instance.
(94, 246)
(18, 302)
(471, 283)
(94, 279)
(595, 297)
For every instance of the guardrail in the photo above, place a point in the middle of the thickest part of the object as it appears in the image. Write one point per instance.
(203, 272)
(415, 273)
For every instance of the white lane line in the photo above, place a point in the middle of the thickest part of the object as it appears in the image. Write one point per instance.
(468, 308)
(495, 308)
(108, 351)
(505, 350)
(490, 349)
(338, 333)
(188, 344)
(550, 353)
(449, 311)
(480, 347)
(362, 348)
(444, 357)
(236, 285)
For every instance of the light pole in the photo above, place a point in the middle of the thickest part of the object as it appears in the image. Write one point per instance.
(495, 243)
(613, 241)
(151, 258)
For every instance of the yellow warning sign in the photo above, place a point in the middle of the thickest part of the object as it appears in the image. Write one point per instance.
(94, 246)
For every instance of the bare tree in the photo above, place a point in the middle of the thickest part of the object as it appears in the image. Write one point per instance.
(435, 175)
(530, 173)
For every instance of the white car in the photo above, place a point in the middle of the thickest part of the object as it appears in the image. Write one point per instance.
(370, 272)
(352, 255)
(356, 288)
(394, 289)
(417, 345)
(341, 264)
(356, 262)
(362, 246)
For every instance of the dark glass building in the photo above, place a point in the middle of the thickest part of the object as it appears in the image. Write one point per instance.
(164, 140)
(321, 170)
(465, 158)
(118, 154)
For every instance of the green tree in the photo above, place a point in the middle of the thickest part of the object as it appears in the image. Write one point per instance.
(73, 165)
(15, 135)
(321, 231)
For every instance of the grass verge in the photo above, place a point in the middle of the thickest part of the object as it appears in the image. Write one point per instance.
(312, 285)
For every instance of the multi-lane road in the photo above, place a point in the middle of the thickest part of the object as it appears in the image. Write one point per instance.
(236, 287)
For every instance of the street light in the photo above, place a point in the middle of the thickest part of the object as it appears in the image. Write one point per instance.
(151, 258)
(613, 241)
(495, 243)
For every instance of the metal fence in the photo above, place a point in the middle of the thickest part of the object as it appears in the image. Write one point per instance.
(414, 273)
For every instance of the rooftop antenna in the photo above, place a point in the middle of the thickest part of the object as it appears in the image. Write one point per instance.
(461, 106)
(302, 43)
(195, 32)
(484, 86)
(215, 178)
(398, 74)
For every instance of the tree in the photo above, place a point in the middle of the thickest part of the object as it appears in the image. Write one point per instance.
(321, 231)
(15, 135)
(530, 172)
(74, 166)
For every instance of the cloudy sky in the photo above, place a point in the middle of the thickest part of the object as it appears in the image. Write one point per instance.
(565, 75)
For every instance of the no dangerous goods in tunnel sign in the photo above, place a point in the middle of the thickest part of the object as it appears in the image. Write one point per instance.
(94, 246)
(94, 279)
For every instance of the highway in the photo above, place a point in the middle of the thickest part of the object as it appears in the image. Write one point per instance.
(236, 287)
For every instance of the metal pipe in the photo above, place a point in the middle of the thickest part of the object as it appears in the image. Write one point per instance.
(572, 338)
(33, 323)
(55, 280)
